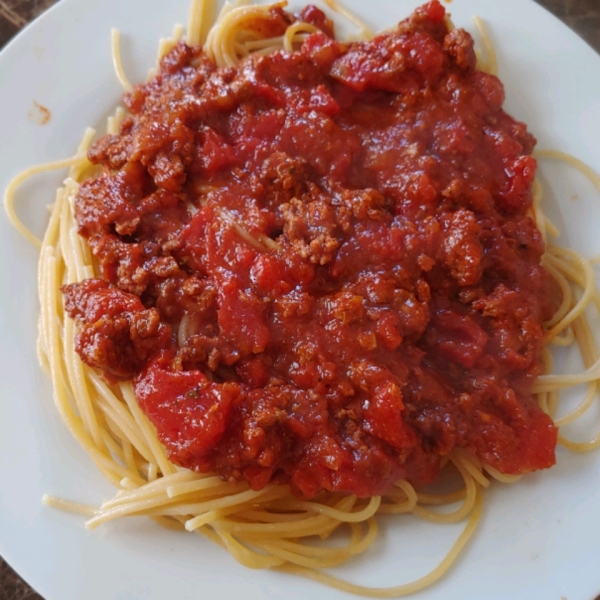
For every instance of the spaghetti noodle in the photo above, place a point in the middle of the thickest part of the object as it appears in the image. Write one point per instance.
(269, 527)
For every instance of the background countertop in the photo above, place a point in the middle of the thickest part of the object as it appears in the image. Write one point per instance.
(581, 15)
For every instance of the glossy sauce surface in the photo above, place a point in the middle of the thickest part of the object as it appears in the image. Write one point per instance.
(318, 267)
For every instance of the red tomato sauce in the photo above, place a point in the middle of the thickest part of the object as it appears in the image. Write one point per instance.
(318, 267)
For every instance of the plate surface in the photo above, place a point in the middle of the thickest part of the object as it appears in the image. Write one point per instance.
(538, 538)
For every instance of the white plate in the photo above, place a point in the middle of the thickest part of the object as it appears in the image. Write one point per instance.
(538, 539)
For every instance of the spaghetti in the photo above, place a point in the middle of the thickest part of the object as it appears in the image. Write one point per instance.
(269, 527)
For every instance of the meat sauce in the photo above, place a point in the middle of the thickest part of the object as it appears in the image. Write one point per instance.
(318, 267)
